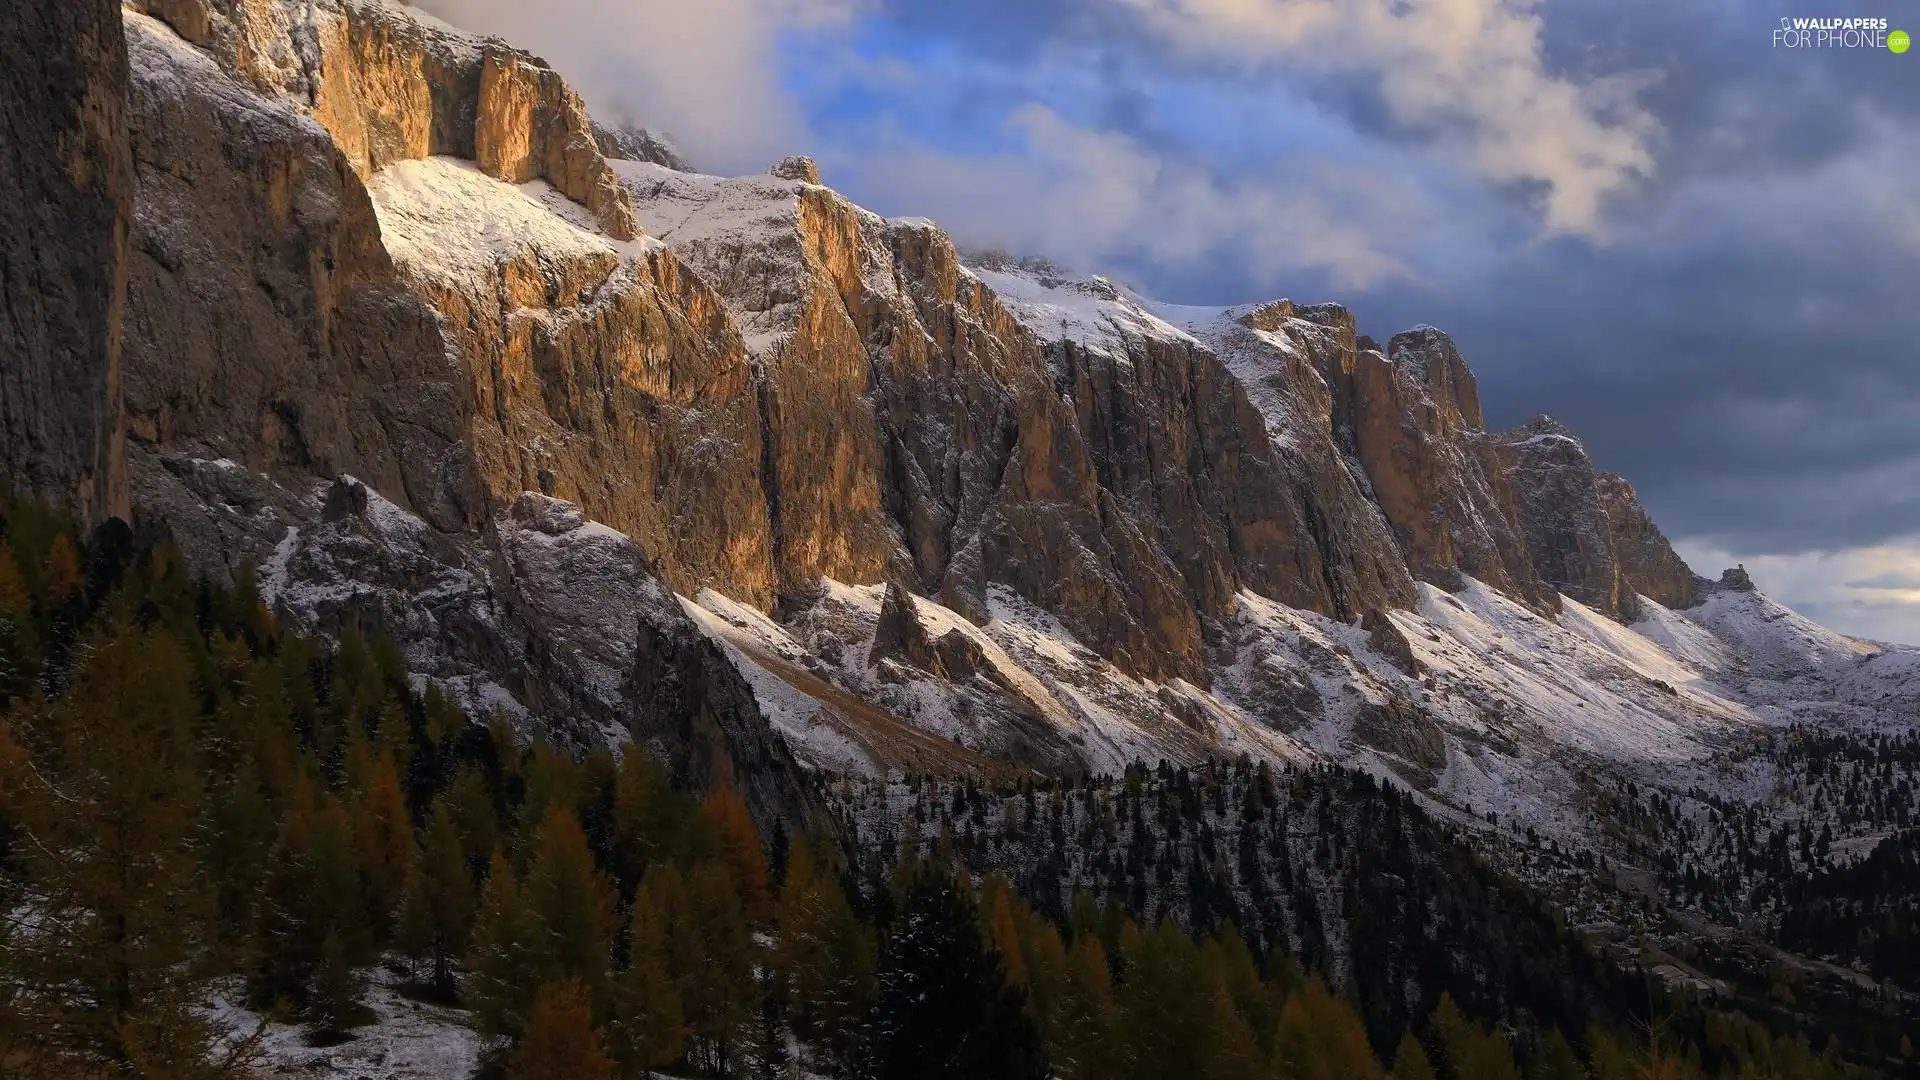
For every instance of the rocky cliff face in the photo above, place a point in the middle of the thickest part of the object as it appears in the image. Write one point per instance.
(1562, 512)
(1647, 560)
(1412, 415)
(66, 185)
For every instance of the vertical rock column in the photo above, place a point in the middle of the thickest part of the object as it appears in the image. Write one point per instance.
(66, 183)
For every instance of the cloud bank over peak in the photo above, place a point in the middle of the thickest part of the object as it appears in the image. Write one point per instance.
(709, 72)
(1470, 73)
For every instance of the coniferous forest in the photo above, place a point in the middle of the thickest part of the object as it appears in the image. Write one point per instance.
(199, 804)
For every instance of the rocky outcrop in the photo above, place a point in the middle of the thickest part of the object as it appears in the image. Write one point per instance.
(1411, 416)
(532, 125)
(1282, 353)
(66, 182)
(628, 143)
(265, 322)
(1562, 512)
(1646, 558)
(389, 87)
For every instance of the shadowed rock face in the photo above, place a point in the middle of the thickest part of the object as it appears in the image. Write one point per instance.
(266, 324)
(1647, 561)
(1412, 418)
(66, 182)
(1562, 512)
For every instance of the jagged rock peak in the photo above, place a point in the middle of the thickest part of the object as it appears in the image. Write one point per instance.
(1737, 579)
(797, 167)
(625, 142)
(1429, 355)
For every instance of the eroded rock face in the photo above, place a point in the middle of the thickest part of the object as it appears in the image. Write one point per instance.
(66, 181)
(1562, 512)
(389, 88)
(1282, 354)
(1651, 567)
(1412, 416)
(265, 322)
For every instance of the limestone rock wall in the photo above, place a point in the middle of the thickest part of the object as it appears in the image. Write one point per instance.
(1562, 512)
(1647, 560)
(266, 324)
(1412, 417)
(66, 181)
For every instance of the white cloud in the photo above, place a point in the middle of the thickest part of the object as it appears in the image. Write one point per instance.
(707, 71)
(1870, 592)
(1090, 197)
(1470, 72)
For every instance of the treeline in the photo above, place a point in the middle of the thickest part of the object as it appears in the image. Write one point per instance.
(197, 801)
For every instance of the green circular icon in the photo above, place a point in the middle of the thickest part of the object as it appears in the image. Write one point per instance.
(1898, 41)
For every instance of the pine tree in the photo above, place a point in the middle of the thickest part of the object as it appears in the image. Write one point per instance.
(944, 1009)
(503, 974)
(720, 997)
(1470, 1052)
(1083, 1042)
(560, 1041)
(571, 906)
(109, 858)
(825, 959)
(383, 838)
(438, 916)
(725, 812)
(649, 1030)
(1556, 1060)
(1410, 1060)
(333, 996)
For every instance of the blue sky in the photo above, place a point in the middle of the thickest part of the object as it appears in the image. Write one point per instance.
(1700, 251)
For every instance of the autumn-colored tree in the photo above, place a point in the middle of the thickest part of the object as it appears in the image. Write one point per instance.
(500, 957)
(108, 863)
(571, 906)
(438, 916)
(1468, 1051)
(383, 839)
(1082, 1038)
(1410, 1061)
(1320, 1037)
(649, 1027)
(725, 811)
(561, 1042)
(1556, 1060)
(721, 998)
(825, 960)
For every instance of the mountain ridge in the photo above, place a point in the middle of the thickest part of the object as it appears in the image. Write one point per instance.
(390, 303)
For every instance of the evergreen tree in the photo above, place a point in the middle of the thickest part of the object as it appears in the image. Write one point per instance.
(438, 917)
(649, 1029)
(721, 998)
(560, 1041)
(501, 958)
(1410, 1060)
(1556, 1060)
(571, 906)
(944, 1009)
(725, 812)
(333, 996)
(1469, 1051)
(109, 857)
(825, 960)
